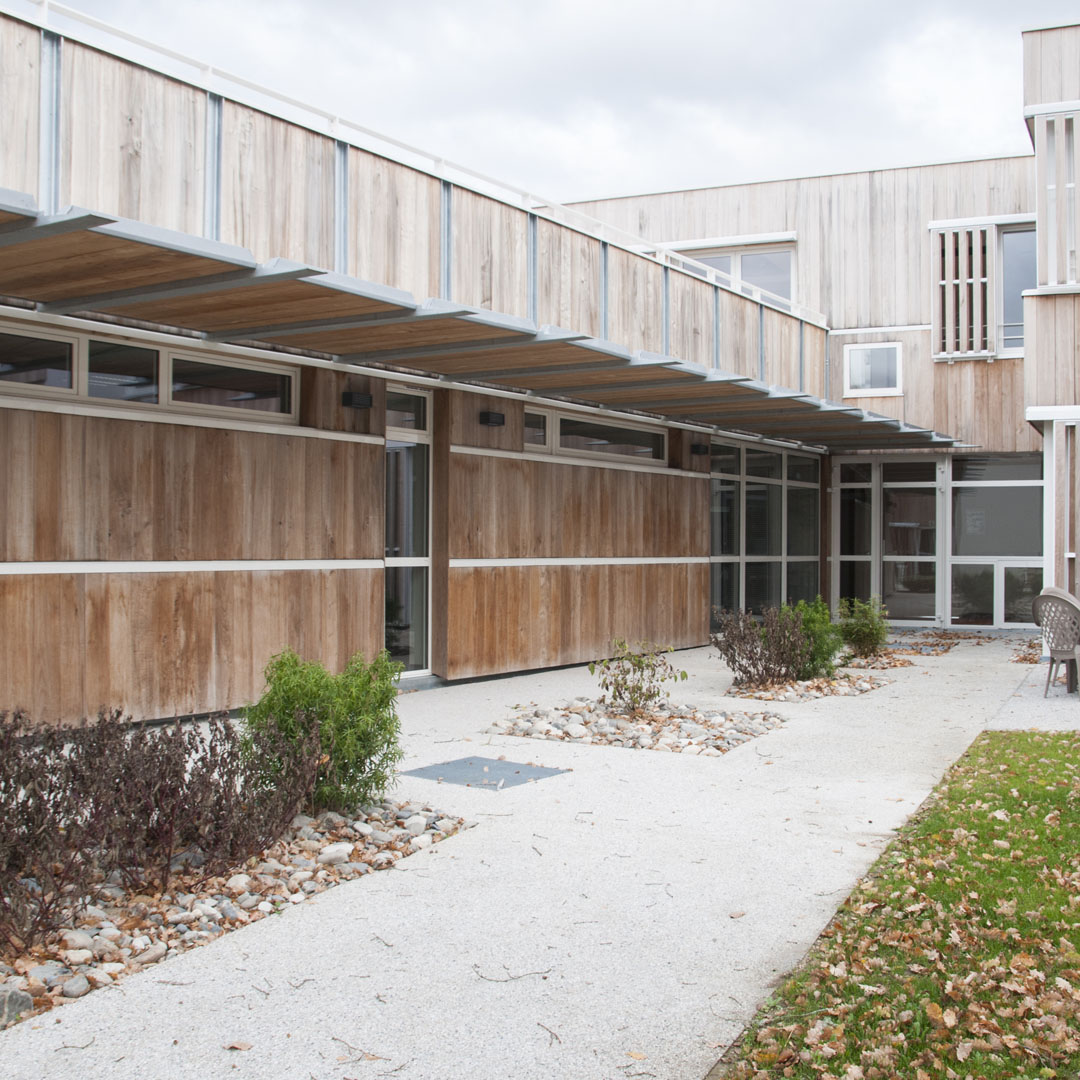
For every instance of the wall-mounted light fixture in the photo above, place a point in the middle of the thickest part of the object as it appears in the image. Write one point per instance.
(492, 419)
(353, 399)
(699, 449)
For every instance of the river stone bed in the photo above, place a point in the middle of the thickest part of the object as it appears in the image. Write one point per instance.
(121, 932)
(678, 729)
(811, 689)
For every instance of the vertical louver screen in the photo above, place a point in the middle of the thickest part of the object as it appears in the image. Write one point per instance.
(963, 318)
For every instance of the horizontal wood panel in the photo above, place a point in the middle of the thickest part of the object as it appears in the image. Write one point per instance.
(134, 141)
(517, 508)
(516, 618)
(277, 187)
(89, 488)
(20, 58)
(158, 645)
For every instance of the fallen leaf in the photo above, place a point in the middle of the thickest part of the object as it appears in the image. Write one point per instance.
(238, 1046)
(963, 1051)
(635, 1055)
(736, 914)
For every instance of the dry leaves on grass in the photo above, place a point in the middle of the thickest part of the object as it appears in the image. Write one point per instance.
(958, 957)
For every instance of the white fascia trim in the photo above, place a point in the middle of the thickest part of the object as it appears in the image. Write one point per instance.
(911, 328)
(463, 564)
(596, 461)
(1053, 290)
(978, 222)
(749, 240)
(1044, 108)
(82, 407)
(186, 566)
(1052, 412)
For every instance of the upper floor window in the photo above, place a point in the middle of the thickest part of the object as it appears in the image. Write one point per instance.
(771, 269)
(1018, 274)
(981, 270)
(872, 370)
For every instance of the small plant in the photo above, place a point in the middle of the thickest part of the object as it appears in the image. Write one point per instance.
(823, 637)
(632, 680)
(864, 626)
(763, 653)
(356, 716)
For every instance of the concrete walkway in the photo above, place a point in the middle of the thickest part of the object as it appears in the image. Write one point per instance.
(622, 919)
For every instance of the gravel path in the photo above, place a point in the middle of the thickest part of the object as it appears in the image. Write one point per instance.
(622, 918)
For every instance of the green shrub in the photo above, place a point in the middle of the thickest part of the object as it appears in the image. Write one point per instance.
(823, 638)
(356, 713)
(864, 625)
(632, 680)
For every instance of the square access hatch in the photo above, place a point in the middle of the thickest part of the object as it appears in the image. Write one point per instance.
(482, 772)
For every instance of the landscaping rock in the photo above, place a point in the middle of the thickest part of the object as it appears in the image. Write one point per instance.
(13, 1002)
(334, 854)
(76, 987)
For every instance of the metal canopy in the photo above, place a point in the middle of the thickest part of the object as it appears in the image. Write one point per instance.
(87, 263)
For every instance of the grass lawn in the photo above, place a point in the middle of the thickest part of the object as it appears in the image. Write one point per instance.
(958, 955)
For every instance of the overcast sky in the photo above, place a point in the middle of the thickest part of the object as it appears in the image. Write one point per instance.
(607, 97)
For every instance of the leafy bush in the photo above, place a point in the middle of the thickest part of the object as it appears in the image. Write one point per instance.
(773, 650)
(632, 680)
(864, 625)
(823, 637)
(78, 805)
(356, 716)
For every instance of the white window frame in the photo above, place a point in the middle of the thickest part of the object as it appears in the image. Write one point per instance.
(79, 391)
(999, 290)
(856, 392)
(742, 477)
(421, 436)
(553, 446)
(736, 252)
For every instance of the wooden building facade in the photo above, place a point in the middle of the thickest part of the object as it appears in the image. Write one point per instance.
(268, 380)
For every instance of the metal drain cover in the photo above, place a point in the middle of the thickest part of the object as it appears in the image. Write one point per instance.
(482, 772)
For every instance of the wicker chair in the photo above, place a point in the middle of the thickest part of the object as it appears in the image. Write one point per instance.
(1058, 616)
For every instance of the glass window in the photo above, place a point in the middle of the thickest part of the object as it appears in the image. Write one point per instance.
(535, 429)
(725, 459)
(908, 521)
(855, 581)
(763, 519)
(908, 472)
(973, 595)
(804, 470)
(908, 589)
(406, 500)
(406, 410)
(762, 586)
(802, 521)
(717, 262)
(1022, 585)
(608, 439)
(871, 368)
(724, 517)
(855, 521)
(123, 372)
(763, 463)
(972, 467)
(1017, 274)
(406, 615)
(855, 474)
(198, 383)
(998, 521)
(723, 590)
(802, 582)
(769, 270)
(35, 361)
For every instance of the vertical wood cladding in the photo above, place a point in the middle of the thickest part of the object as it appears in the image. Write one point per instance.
(513, 618)
(321, 407)
(20, 59)
(165, 644)
(466, 429)
(89, 488)
(518, 508)
(133, 141)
